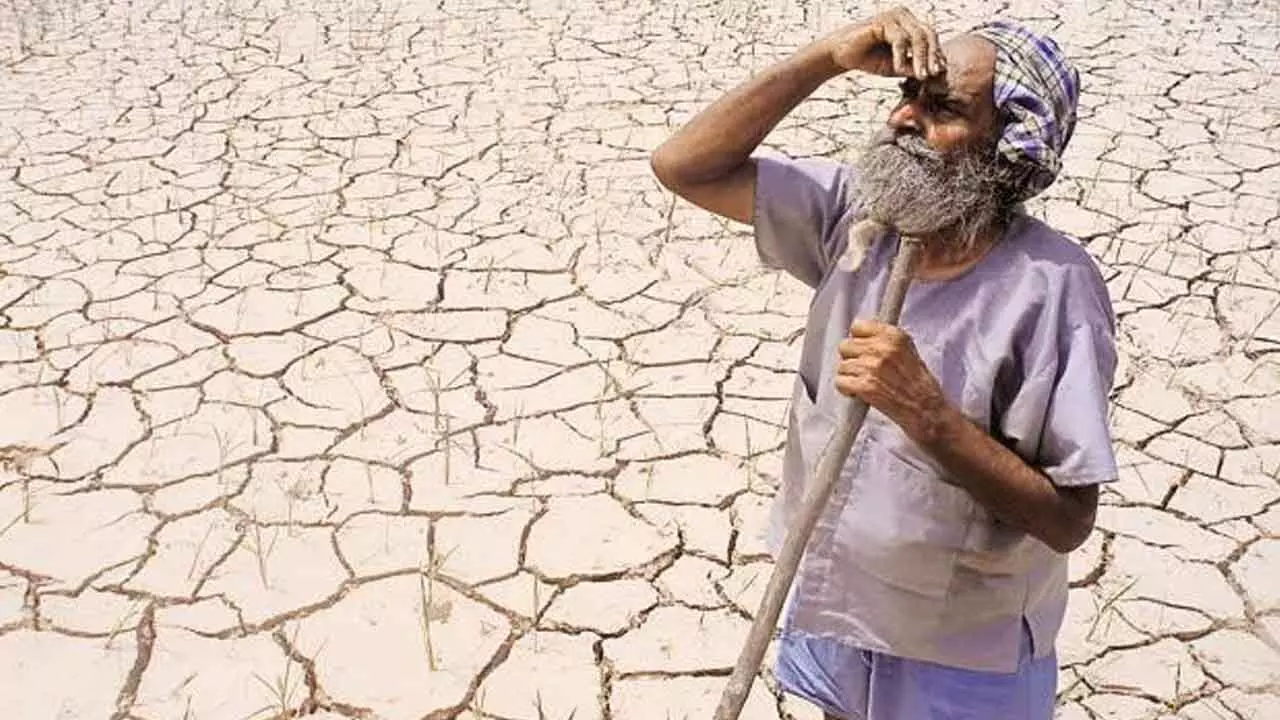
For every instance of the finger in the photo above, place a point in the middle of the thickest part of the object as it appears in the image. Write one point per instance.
(850, 348)
(862, 347)
(899, 41)
(868, 328)
(920, 52)
(853, 367)
(902, 56)
(862, 387)
(881, 337)
(937, 61)
(902, 13)
(911, 54)
(852, 386)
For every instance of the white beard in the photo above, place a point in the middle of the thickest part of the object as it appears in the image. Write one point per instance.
(904, 184)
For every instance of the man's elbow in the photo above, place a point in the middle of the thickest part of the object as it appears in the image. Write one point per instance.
(1072, 519)
(1069, 537)
(729, 194)
(1076, 523)
(677, 171)
(665, 168)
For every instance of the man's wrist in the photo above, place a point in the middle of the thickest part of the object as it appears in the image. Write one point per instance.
(940, 428)
(815, 61)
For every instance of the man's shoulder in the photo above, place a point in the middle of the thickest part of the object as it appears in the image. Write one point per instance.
(1066, 269)
(833, 176)
(1046, 246)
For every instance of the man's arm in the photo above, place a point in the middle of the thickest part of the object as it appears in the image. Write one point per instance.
(1017, 494)
(708, 161)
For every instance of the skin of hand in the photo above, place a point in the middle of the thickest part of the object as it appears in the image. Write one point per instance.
(879, 365)
(892, 44)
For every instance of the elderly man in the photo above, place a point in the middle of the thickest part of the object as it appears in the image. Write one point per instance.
(935, 586)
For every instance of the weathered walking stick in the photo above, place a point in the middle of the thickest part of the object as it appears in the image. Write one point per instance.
(815, 501)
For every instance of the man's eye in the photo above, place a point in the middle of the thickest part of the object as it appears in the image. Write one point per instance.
(941, 108)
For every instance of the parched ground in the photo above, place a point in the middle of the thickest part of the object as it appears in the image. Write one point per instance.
(352, 363)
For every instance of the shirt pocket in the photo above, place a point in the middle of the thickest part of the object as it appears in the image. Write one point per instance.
(904, 525)
(812, 423)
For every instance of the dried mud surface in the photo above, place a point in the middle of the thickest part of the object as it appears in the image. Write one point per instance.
(353, 365)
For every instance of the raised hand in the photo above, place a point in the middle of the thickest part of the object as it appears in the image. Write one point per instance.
(893, 44)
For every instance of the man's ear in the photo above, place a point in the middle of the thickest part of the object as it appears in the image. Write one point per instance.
(1013, 177)
(999, 121)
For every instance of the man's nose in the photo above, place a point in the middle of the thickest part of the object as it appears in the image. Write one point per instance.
(905, 118)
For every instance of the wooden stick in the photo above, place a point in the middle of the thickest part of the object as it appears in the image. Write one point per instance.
(815, 501)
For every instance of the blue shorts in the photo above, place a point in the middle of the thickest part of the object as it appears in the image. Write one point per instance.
(855, 684)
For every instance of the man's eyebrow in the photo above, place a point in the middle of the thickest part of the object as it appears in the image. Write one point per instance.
(938, 91)
(938, 87)
(950, 95)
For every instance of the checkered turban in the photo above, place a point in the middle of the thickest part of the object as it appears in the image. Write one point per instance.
(1037, 91)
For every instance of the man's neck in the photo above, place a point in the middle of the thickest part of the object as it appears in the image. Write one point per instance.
(941, 258)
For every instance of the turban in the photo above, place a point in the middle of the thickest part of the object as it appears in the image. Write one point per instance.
(1036, 91)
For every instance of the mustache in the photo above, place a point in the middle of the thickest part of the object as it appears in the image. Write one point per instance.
(910, 143)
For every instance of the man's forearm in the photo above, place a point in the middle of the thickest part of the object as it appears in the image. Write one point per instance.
(1013, 491)
(722, 137)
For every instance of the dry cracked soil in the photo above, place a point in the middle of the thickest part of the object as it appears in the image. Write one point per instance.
(353, 364)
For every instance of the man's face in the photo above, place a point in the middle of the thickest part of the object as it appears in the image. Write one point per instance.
(955, 111)
(933, 169)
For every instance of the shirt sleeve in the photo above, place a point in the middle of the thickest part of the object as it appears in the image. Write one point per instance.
(1059, 418)
(797, 206)
(1076, 446)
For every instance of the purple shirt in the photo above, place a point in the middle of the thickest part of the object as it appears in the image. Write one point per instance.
(1023, 343)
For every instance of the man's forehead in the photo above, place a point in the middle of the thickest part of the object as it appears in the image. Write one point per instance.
(971, 68)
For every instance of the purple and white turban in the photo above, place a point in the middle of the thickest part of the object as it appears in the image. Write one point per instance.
(1037, 91)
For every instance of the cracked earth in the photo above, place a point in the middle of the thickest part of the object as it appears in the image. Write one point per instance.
(353, 365)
